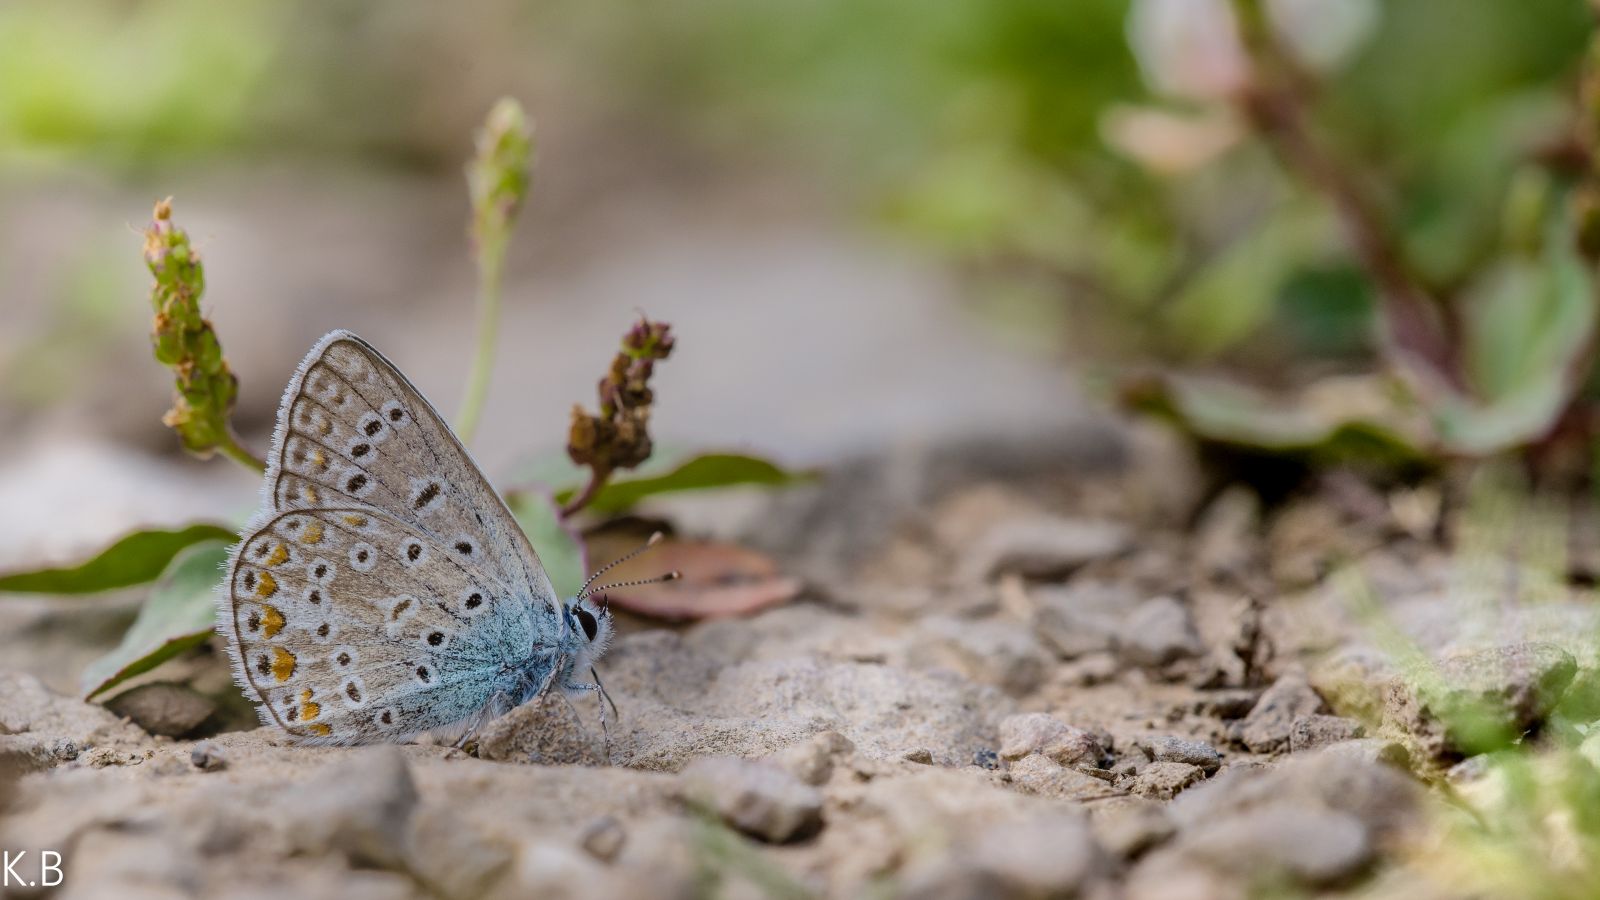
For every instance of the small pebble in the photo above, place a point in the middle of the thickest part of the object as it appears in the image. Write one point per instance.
(1133, 828)
(208, 757)
(757, 798)
(1170, 748)
(1159, 631)
(1511, 688)
(1267, 728)
(813, 759)
(1027, 733)
(919, 755)
(1318, 730)
(164, 708)
(1044, 547)
(603, 838)
(1039, 775)
(1165, 780)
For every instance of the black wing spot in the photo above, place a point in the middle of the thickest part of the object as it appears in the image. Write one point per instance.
(426, 495)
(474, 600)
(464, 548)
(356, 482)
(373, 427)
(413, 552)
(435, 639)
(322, 630)
(360, 450)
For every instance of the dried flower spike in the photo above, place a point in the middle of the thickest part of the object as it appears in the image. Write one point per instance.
(618, 437)
(185, 342)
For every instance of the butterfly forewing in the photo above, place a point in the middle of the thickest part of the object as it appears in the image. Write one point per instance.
(353, 429)
(385, 587)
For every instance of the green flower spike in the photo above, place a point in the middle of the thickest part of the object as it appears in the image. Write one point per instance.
(185, 342)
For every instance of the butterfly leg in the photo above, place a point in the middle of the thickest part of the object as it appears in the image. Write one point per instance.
(594, 687)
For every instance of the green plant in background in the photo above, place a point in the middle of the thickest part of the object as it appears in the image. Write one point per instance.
(184, 563)
(1269, 188)
(497, 181)
(1518, 819)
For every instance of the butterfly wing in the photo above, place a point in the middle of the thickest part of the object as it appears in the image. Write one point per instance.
(352, 626)
(376, 533)
(352, 429)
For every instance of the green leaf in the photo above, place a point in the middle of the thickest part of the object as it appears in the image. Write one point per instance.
(1335, 421)
(1528, 324)
(180, 614)
(134, 559)
(1233, 295)
(560, 548)
(710, 470)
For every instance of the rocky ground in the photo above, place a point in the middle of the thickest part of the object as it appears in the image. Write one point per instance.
(1068, 674)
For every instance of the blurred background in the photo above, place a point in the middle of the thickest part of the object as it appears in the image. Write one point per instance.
(870, 223)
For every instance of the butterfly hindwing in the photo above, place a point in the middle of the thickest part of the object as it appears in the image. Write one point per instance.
(352, 626)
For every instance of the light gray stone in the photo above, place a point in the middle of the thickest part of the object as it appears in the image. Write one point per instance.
(1270, 722)
(1026, 733)
(1158, 632)
(759, 799)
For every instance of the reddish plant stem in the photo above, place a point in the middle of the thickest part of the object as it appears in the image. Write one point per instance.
(1422, 337)
(597, 480)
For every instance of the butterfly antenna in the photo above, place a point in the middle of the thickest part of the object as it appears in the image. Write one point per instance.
(584, 591)
(674, 575)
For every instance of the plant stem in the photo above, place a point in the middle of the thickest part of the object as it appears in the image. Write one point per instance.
(232, 449)
(491, 263)
(597, 480)
(1421, 329)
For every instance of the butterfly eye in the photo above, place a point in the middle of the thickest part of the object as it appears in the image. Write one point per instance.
(587, 620)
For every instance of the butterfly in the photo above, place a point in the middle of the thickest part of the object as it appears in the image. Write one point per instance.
(384, 589)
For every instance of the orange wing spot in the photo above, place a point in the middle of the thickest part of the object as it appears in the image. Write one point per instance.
(309, 711)
(280, 555)
(321, 729)
(311, 494)
(319, 460)
(271, 621)
(312, 533)
(282, 664)
(266, 586)
(307, 694)
(356, 521)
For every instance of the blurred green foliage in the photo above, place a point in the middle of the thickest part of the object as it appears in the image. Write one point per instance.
(131, 80)
(1074, 158)
(984, 126)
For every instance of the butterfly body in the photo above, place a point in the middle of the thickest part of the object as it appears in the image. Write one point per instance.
(384, 590)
